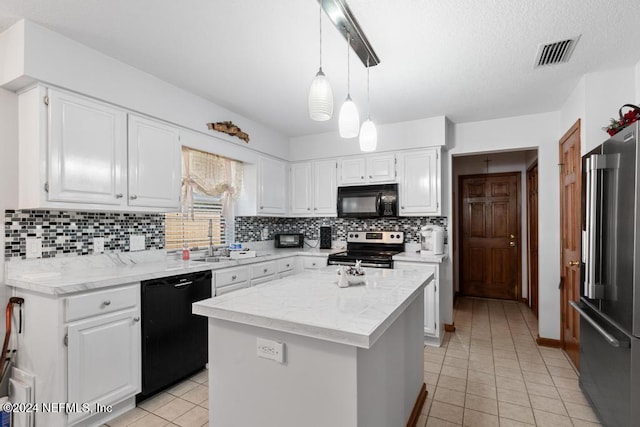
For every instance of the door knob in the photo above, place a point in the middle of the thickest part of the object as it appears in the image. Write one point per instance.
(512, 243)
(511, 236)
(573, 263)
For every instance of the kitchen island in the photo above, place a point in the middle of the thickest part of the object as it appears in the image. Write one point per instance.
(350, 357)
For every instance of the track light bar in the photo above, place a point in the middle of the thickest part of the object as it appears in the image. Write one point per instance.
(340, 14)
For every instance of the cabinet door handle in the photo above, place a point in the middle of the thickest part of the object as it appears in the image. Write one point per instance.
(133, 197)
(265, 270)
(313, 264)
(261, 207)
(136, 319)
(288, 265)
(401, 207)
(370, 177)
(308, 209)
(233, 277)
(362, 177)
(119, 196)
(106, 302)
(315, 209)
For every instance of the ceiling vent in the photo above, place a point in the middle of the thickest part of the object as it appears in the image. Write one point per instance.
(555, 53)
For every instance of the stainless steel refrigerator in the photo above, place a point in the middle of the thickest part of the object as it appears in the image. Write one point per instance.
(610, 303)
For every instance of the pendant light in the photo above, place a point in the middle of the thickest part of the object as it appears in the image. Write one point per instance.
(368, 131)
(320, 95)
(349, 120)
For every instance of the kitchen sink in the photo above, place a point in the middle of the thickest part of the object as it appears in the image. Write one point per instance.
(213, 259)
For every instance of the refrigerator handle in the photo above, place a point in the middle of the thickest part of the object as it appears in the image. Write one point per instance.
(611, 340)
(589, 265)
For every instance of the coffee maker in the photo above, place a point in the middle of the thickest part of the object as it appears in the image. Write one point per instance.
(431, 240)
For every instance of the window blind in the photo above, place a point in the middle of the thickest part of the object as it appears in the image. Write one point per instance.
(194, 230)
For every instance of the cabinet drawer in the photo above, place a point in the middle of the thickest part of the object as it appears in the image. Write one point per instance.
(313, 262)
(286, 264)
(263, 269)
(231, 276)
(230, 288)
(101, 302)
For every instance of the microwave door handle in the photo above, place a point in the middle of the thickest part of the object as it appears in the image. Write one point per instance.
(379, 208)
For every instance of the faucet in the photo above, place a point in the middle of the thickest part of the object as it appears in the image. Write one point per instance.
(210, 235)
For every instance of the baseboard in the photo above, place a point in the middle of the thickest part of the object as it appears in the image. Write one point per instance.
(417, 406)
(449, 327)
(548, 342)
(525, 301)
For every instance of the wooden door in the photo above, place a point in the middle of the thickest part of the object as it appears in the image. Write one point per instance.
(532, 231)
(570, 204)
(490, 216)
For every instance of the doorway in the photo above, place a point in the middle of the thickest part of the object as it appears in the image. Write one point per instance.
(570, 238)
(489, 213)
(532, 234)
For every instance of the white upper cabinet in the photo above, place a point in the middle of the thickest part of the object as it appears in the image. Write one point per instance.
(370, 169)
(325, 188)
(87, 151)
(419, 186)
(272, 186)
(381, 168)
(154, 164)
(313, 188)
(301, 189)
(87, 156)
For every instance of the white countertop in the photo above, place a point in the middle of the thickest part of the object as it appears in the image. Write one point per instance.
(311, 304)
(65, 275)
(417, 257)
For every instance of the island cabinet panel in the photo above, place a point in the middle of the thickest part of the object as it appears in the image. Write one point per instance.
(94, 358)
(341, 385)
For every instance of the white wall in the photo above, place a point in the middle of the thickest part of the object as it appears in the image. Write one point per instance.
(541, 131)
(574, 108)
(394, 136)
(54, 59)
(516, 161)
(8, 175)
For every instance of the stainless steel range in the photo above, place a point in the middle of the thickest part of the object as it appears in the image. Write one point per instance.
(373, 248)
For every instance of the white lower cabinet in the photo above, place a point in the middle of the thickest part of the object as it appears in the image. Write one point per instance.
(312, 262)
(83, 349)
(433, 326)
(263, 272)
(286, 266)
(230, 279)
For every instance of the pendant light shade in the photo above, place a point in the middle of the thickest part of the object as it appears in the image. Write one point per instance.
(320, 98)
(368, 132)
(320, 94)
(349, 120)
(368, 136)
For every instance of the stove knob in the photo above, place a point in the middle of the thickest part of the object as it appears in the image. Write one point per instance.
(356, 236)
(398, 236)
(351, 235)
(392, 236)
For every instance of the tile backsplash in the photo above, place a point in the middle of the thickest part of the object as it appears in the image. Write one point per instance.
(72, 233)
(250, 228)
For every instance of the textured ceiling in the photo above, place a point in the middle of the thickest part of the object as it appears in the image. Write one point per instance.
(467, 59)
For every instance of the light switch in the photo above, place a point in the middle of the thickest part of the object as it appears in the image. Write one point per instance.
(34, 247)
(137, 243)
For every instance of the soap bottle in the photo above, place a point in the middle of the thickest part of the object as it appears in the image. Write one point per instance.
(185, 252)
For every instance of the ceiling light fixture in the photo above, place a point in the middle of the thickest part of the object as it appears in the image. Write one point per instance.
(349, 119)
(320, 94)
(340, 14)
(368, 131)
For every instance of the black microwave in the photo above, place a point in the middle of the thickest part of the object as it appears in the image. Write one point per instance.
(368, 201)
(289, 240)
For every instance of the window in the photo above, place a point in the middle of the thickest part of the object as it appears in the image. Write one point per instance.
(210, 183)
(194, 229)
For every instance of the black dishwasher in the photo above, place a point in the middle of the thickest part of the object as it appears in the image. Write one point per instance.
(174, 341)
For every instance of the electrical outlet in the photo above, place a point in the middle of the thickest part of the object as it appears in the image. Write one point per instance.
(265, 233)
(272, 350)
(137, 243)
(34, 247)
(98, 245)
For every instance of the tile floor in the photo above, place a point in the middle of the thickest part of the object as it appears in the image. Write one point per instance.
(491, 372)
(185, 405)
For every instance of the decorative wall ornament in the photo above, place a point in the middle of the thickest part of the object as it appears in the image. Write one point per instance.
(230, 129)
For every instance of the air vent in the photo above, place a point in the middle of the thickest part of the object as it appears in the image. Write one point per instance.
(555, 53)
